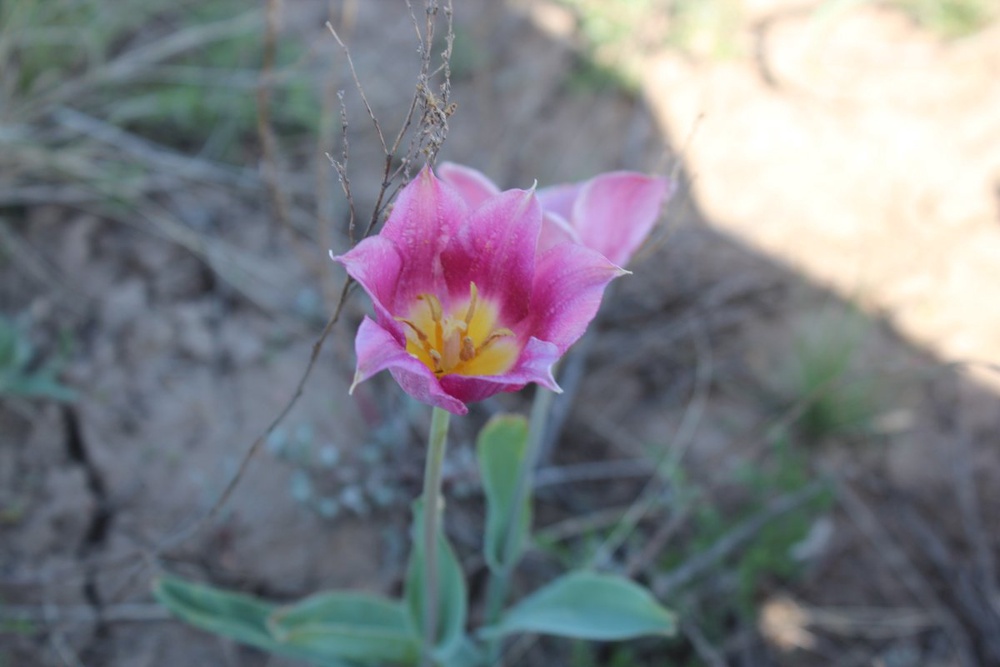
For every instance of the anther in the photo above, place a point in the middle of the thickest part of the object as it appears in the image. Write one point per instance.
(468, 351)
(436, 358)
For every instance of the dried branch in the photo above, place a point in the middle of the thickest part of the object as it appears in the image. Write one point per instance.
(183, 534)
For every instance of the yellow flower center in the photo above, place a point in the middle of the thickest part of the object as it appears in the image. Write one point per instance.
(464, 341)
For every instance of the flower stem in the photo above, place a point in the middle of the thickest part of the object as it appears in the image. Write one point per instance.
(436, 446)
(499, 582)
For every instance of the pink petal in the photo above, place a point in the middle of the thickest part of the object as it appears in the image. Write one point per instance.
(559, 199)
(555, 229)
(471, 183)
(426, 215)
(533, 365)
(615, 212)
(376, 264)
(496, 250)
(569, 283)
(378, 350)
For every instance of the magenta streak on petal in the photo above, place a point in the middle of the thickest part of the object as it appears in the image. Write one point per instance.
(495, 250)
(614, 213)
(569, 283)
(471, 183)
(426, 215)
(378, 350)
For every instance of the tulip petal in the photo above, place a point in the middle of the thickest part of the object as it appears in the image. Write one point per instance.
(426, 215)
(559, 199)
(376, 264)
(377, 350)
(569, 283)
(496, 251)
(555, 229)
(614, 213)
(533, 365)
(472, 184)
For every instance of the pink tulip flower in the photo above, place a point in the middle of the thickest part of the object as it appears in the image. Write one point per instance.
(467, 303)
(612, 213)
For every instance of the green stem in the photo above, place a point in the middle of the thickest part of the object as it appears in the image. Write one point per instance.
(436, 446)
(499, 582)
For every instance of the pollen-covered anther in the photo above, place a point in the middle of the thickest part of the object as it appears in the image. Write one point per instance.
(438, 361)
(468, 352)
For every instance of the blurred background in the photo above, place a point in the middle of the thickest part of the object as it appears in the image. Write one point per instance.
(785, 422)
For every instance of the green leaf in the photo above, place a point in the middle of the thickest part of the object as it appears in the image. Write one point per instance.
(353, 626)
(468, 654)
(240, 617)
(587, 605)
(451, 594)
(501, 448)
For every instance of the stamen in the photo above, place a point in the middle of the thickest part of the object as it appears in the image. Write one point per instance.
(436, 358)
(420, 334)
(473, 302)
(468, 351)
(437, 313)
(496, 335)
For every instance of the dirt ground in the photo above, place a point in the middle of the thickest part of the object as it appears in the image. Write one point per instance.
(838, 182)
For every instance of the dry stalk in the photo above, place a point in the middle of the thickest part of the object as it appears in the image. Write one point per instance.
(270, 150)
(430, 146)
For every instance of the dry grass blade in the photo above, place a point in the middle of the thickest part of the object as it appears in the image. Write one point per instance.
(733, 539)
(156, 157)
(135, 61)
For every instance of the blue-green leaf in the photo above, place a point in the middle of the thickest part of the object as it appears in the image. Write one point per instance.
(587, 605)
(501, 448)
(467, 654)
(450, 593)
(240, 617)
(353, 626)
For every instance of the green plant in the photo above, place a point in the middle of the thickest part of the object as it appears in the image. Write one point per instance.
(21, 373)
(831, 392)
(951, 18)
(706, 27)
(339, 629)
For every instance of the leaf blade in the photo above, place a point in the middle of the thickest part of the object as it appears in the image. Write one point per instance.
(353, 626)
(587, 605)
(500, 448)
